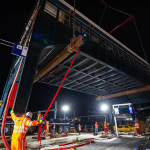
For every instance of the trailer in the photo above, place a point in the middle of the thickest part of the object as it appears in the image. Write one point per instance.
(61, 125)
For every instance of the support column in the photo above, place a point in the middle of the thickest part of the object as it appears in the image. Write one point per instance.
(111, 121)
(55, 112)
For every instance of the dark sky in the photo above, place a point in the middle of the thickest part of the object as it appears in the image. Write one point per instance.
(13, 16)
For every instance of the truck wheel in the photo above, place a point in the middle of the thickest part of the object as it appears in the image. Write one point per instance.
(31, 130)
(7, 129)
(66, 129)
(52, 131)
(60, 129)
(42, 129)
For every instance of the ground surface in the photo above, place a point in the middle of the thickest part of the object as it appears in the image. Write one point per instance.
(124, 142)
(121, 143)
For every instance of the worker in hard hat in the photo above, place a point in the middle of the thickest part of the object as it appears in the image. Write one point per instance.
(39, 116)
(21, 125)
(96, 127)
(105, 127)
(137, 128)
(79, 129)
(47, 127)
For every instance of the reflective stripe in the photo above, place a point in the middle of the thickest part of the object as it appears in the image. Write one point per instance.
(19, 131)
(17, 127)
(14, 118)
(23, 124)
(20, 128)
(27, 122)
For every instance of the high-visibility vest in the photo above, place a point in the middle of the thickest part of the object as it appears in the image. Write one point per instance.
(47, 127)
(39, 116)
(21, 125)
(79, 127)
(96, 125)
(137, 125)
(105, 125)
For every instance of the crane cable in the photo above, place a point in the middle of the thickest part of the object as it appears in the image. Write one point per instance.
(103, 14)
(141, 42)
(39, 132)
(135, 27)
(74, 36)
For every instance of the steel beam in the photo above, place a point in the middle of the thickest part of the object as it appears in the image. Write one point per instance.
(96, 76)
(115, 77)
(59, 58)
(143, 89)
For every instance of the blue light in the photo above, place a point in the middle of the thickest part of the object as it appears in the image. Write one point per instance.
(37, 36)
(130, 110)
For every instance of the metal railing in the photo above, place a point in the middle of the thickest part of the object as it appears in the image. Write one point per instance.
(50, 9)
(102, 41)
(64, 18)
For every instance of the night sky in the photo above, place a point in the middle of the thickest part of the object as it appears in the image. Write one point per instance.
(13, 16)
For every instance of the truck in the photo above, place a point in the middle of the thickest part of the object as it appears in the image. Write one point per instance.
(61, 125)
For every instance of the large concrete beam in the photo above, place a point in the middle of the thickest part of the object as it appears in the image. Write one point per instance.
(59, 58)
(147, 88)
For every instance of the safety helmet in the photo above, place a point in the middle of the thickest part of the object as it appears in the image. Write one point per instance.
(39, 112)
(29, 114)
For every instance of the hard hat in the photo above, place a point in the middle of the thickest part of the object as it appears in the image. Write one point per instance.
(39, 112)
(29, 114)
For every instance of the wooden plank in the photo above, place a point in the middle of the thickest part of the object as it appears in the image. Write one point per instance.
(147, 88)
(59, 58)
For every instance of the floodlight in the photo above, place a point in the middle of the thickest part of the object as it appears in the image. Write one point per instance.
(104, 107)
(65, 108)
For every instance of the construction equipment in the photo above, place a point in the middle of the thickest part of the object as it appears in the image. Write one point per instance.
(62, 125)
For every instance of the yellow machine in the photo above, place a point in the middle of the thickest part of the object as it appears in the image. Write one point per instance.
(126, 128)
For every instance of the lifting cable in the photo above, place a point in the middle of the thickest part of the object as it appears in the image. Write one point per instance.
(102, 15)
(74, 36)
(135, 27)
(141, 42)
(119, 11)
(39, 132)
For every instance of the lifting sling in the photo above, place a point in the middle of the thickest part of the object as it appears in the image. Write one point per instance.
(39, 132)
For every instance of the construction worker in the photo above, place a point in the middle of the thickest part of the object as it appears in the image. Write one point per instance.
(96, 127)
(39, 116)
(21, 125)
(53, 128)
(79, 129)
(47, 127)
(137, 128)
(105, 127)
